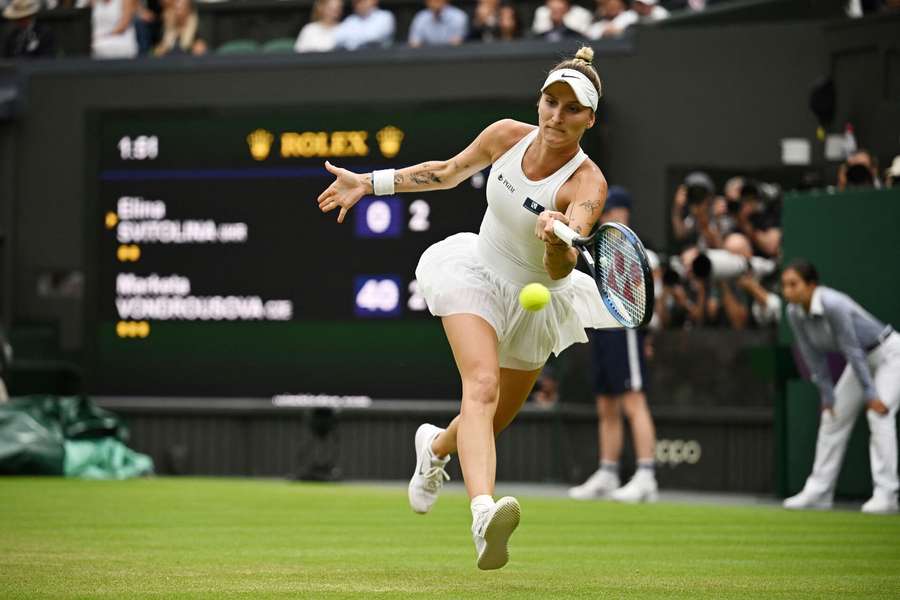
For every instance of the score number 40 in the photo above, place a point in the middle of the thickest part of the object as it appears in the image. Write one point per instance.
(380, 296)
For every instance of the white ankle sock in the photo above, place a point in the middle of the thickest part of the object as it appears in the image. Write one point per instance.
(431, 451)
(480, 503)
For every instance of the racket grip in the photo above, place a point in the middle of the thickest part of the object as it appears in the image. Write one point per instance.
(564, 232)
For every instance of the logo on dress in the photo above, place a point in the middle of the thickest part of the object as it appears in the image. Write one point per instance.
(509, 186)
(533, 206)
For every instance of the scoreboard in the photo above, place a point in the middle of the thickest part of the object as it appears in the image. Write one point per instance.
(212, 273)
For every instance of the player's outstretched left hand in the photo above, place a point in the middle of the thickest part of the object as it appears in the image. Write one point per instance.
(346, 190)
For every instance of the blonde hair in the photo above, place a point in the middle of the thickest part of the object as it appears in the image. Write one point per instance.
(583, 62)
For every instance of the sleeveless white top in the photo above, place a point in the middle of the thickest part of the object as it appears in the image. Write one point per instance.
(482, 274)
(506, 240)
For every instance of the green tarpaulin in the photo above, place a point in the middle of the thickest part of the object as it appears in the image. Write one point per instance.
(49, 435)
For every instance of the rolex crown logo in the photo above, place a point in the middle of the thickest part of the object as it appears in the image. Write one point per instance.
(389, 140)
(260, 142)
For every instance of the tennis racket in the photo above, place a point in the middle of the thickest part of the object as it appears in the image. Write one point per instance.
(618, 262)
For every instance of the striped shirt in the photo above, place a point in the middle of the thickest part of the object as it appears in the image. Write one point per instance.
(836, 323)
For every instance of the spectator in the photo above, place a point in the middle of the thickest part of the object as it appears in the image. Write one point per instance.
(319, 34)
(892, 175)
(692, 5)
(559, 30)
(649, 10)
(368, 26)
(561, 16)
(485, 25)
(610, 19)
(113, 30)
(509, 23)
(642, 11)
(148, 23)
(859, 171)
(28, 38)
(180, 31)
(692, 211)
(439, 24)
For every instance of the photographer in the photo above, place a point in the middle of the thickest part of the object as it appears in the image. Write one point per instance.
(859, 171)
(683, 301)
(737, 297)
(692, 222)
(759, 217)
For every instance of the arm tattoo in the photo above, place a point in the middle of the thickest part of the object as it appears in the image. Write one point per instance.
(398, 178)
(425, 177)
(590, 205)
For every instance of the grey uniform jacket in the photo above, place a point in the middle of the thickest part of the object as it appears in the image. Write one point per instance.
(836, 323)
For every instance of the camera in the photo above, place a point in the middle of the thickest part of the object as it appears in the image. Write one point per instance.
(720, 265)
(699, 188)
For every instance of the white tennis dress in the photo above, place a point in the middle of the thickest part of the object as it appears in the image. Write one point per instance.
(483, 274)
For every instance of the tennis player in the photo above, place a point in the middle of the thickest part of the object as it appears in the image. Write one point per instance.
(823, 320)
(538, 175)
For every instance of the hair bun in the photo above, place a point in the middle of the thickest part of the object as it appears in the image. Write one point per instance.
(586, 54)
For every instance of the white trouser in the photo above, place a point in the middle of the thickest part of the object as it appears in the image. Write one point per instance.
(849, 399)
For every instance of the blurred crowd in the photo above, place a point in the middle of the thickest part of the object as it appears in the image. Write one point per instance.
(131, 28)
(723, 267)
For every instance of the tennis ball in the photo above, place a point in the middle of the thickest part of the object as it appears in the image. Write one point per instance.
(534, 296)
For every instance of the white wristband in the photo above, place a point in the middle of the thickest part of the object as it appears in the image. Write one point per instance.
(383, 182)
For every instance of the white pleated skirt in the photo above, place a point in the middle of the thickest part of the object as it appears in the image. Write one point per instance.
(455, 278)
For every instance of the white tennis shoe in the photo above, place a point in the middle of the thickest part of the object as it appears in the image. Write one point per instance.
(491, 529)
(807, 501)
(598, 485)
(879, 504)
(429, 476)
(641, 488)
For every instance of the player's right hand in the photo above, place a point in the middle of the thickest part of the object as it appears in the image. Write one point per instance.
(346, 190)
(543, 227)
(877, 406)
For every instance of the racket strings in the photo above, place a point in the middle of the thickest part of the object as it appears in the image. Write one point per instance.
(619, 268)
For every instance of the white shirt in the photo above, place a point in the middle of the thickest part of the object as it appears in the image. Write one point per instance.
(577, 19)
(437, 30)
(315, 37)
(625, 20)
(375, 28)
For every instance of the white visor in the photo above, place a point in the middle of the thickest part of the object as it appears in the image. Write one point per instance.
(584, 90)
